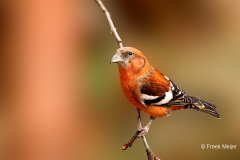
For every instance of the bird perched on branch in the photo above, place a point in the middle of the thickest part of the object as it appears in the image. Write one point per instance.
(151, 91)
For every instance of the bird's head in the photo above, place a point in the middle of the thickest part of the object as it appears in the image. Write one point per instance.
(130, 59)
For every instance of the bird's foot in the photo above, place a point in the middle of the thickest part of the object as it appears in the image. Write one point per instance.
(143, 131)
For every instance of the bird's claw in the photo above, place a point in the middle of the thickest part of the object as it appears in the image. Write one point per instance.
(143, 131)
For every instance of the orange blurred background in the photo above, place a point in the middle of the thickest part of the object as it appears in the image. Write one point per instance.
(195, 43)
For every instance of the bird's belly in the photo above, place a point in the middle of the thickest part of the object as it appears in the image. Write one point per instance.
(157, 111)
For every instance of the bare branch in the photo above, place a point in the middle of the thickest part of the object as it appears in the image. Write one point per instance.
(130, 142)
(150, 154)
(113, 29)
(149, 151)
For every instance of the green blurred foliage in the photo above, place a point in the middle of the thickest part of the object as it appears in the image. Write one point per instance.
(196, 44)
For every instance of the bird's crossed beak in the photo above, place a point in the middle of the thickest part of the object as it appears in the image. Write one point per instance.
(116, 58)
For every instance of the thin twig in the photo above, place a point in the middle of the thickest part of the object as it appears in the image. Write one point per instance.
(113, 29)
(150, 153)
(130, 142)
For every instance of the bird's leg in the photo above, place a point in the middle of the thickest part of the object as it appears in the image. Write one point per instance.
(144, 130)
(139, 119)
(135, 136)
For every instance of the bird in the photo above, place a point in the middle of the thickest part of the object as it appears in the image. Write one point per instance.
(151, 91)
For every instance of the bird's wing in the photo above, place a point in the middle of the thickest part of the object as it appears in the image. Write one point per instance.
(180, 97)
(158, 93)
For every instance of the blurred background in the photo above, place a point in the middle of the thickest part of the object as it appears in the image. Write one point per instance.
(195, 43)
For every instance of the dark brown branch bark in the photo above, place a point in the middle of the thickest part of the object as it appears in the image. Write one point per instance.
(130, 142)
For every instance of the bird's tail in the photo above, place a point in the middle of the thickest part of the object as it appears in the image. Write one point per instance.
(204, 107)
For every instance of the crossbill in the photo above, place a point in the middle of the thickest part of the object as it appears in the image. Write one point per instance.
(151, 91)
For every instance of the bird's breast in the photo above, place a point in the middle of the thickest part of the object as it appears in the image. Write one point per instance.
(128, 88)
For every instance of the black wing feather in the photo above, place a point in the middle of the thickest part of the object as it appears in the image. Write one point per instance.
(180, 97)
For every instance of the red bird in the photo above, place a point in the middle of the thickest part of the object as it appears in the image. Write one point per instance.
(151, 91)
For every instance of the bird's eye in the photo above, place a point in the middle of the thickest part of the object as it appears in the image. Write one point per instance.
(130, 53)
